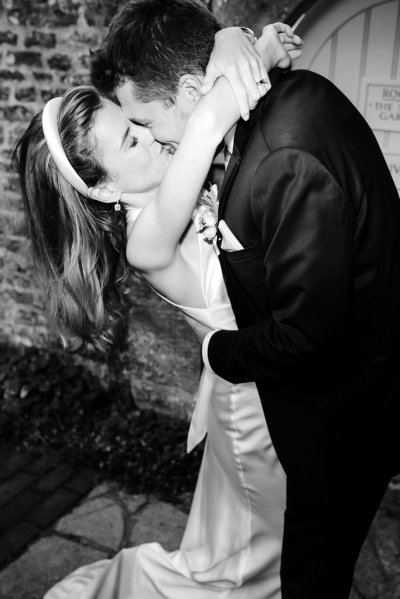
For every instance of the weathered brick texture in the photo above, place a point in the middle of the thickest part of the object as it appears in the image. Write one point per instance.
(44, 49)
(42, 46)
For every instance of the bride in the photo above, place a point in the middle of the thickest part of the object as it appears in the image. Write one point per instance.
(73, 174)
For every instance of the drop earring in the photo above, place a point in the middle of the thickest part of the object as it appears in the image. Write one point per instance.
(117, 205)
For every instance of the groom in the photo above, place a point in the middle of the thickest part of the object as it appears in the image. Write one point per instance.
(315, 283)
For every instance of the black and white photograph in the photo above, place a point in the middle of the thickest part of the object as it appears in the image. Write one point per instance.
(200, 299)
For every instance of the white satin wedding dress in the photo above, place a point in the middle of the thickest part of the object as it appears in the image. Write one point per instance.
(232, 542)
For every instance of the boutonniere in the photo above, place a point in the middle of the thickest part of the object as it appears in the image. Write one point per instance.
(205, 216)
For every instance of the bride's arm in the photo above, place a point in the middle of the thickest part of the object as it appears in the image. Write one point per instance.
(154, 239)
(242, 63)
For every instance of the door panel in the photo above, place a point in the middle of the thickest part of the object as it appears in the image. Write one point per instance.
(356, 44)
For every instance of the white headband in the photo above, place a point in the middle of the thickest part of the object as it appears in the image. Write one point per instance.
(52, 137)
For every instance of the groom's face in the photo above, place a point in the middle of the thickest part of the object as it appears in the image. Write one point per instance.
(166, 123)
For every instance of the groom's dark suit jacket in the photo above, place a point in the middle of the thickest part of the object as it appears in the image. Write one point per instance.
(316, 289)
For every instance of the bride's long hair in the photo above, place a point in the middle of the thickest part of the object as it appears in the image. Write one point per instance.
(78, 244)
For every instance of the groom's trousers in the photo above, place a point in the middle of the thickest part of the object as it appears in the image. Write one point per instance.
(323, 537)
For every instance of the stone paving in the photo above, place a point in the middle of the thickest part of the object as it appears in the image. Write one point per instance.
(45, 533)
(377, 574)
(107, 520)
(35, 490)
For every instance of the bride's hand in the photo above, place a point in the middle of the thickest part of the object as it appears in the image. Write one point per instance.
(235, 58)
(279, 46)
(243, 64)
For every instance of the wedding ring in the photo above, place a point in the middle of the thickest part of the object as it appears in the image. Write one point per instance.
(261, 82)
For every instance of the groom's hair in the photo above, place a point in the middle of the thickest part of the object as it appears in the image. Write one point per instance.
(153, 43)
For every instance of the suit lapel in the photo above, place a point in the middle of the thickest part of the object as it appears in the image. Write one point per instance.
(233, 165)
(242, 133)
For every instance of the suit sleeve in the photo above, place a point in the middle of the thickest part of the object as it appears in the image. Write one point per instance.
(304, 222)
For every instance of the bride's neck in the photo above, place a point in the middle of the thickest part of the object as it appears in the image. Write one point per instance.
(138, 200)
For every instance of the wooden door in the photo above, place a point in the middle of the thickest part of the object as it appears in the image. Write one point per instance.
(356, 44)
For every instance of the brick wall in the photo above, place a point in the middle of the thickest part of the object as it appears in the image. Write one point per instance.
(44, 49)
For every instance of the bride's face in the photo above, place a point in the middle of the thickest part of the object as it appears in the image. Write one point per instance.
(129, 153)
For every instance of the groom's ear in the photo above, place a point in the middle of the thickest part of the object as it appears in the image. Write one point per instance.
(189, 85)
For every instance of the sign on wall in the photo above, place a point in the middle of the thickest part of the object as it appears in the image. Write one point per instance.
(393, 162)
(380, 105)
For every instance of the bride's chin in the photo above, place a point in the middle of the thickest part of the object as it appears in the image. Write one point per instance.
(166, 158)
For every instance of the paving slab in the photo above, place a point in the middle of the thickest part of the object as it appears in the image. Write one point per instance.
(17, 508)
(42, 565)
(99, 520)
(80, 483)
(35, 490)
(12, 461)
(56, 504)
(377, 574)
(42, 464)
(106, 520)
(16, 538)
(161, 522)
(10, 488)
(130, 503)
(55, 478)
